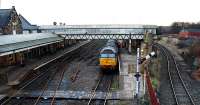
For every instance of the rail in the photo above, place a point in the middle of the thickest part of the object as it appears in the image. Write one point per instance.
(42, 74)
(179, 89)
(108, 81)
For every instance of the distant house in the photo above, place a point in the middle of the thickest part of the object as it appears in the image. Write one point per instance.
(27, 26)
(10, 22)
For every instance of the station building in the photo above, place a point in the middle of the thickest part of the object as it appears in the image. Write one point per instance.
(13, 23)
(10, 22)
(27, 27)
(16, 49)
(20, 40)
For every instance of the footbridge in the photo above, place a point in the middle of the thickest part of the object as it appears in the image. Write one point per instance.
(101, 31)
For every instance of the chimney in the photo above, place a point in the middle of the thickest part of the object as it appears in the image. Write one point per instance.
(13, 7)
(14, 32)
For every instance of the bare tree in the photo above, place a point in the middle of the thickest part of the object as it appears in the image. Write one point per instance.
(54, 23)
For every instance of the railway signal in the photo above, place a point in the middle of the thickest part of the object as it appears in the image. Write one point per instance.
(137, 75)
(140, 61)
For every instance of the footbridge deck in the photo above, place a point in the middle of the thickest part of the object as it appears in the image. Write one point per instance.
(101, 31)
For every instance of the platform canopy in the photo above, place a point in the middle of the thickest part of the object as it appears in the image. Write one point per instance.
(116, 31)
(16, 43)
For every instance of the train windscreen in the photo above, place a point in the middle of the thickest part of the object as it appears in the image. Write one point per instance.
(107, 55)
(107, 52)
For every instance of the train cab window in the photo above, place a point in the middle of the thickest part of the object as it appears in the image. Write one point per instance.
(107, 52)
(104, 55)
(107, 55)
(111, 55)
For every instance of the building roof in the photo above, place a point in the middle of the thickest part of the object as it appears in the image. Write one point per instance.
(26, 25)
(16, 43)
(4, 16)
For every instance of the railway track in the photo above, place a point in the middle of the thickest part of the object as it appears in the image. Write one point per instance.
(56, 69)
(103, 84)
(28, 84)
(179, 90)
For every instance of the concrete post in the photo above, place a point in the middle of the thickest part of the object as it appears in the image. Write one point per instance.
(69, 42)
(39, 53)
(21, 59)
(129, 46)
(144, 82)
(14, 32)
(14, 24)
(15, 54)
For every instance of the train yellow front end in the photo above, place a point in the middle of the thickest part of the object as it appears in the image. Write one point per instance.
(108, 56)
(108, 63)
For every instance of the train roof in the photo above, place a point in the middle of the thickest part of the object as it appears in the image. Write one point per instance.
(109, 48)
(111, 43)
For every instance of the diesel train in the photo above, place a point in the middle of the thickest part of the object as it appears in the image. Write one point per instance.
(108, 58)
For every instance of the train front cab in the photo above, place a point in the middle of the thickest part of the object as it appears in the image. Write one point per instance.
(108, 61)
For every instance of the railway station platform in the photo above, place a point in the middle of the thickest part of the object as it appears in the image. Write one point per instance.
(75, 95)
(127, 75)
(17, 73)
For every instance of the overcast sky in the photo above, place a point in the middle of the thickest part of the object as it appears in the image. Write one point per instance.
(155, 12)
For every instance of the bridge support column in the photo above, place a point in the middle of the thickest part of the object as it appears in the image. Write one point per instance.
(69, 42)
(129, 46)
